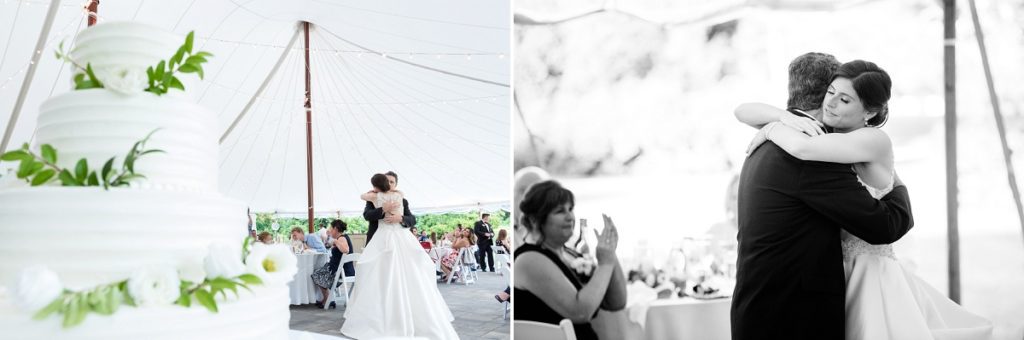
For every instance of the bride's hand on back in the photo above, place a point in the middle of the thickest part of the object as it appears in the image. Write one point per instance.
(608, 241)
(806, 125)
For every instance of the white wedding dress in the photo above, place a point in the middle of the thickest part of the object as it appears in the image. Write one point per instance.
(396, 294)
(884, 300)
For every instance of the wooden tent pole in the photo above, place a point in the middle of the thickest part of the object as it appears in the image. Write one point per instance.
(93, 9)
(952, 205)
(309, 128)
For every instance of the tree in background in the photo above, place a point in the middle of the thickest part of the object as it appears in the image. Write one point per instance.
(437, 223)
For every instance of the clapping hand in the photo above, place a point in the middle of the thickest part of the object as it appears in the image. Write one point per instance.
(607, 241)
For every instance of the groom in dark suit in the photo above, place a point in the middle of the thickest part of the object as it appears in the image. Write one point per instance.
(374, 215)
(790, 282)
(484, 241)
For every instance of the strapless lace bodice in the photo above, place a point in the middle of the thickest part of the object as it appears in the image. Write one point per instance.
(853, 245)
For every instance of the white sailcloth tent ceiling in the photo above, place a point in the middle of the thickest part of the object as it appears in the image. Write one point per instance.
(417, 87)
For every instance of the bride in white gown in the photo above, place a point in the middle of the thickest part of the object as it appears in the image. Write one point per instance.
(884, 300)
(395, 294)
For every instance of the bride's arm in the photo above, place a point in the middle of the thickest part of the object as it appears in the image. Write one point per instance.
(369, 196)
(861, 145)
(758, 114)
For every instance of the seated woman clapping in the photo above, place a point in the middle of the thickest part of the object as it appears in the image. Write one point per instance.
(546, 284)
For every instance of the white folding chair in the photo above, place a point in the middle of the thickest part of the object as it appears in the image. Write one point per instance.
(469, 265)
(457, 266)
(544, 331)
(500, 261)
(340, 277)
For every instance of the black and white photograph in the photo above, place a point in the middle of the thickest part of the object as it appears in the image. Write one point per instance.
(255, 169)
(768, 169)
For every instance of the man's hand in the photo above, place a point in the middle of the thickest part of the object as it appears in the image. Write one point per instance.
(806, 125)
(391, 218)
(390, 205)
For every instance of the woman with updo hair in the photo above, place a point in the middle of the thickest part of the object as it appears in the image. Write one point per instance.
(546, 284)
(324, 276)
(883, 300)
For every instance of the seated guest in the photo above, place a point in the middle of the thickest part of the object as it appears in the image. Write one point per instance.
(466, 239)
(298, 240)
(546, 284)
(324, 276)
(313, 242)
(502, 242)
(266, 238)
(433, 238)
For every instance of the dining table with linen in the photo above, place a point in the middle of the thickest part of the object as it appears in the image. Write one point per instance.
(301, 290)
(667, 316)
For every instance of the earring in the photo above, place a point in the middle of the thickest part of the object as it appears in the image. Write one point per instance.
(865, 121)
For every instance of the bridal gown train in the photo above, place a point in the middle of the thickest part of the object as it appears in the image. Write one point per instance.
(395, 294)
(884, 300)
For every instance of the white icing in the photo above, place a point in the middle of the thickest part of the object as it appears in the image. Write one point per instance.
(124, 45)
(98, 124)
(262, 314)
(90, 236)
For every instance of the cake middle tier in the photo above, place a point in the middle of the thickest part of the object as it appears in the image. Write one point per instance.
(98, 124)
(90, 236)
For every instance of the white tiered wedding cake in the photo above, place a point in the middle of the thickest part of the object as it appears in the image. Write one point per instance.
(174, 218)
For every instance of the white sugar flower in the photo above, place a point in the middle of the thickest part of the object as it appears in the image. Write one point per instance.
(154, 286)
(191, 269)
(224, 261)
(36, 287)
(274, 264)
(123, 80)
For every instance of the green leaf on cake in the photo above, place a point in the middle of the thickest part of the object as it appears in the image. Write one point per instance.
(81, 171)
(25, 168)
(75, 311)
(206, 299)
(94, 181)
(188, 68)
(49, 309)
(250, 279)
(49, 154)
(92, 76)
(43, 176)
(176, 59)
(15, 155)
(66, 179)
(184, 298)
(188, 41)
(176, 84)
(195, 60)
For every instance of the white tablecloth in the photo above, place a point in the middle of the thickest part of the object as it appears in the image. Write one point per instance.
(688, 318)
(301, 289)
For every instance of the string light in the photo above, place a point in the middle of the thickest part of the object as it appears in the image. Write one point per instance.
(438, 55)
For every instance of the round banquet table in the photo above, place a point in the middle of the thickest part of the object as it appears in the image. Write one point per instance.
(688, 318)
(302, 290)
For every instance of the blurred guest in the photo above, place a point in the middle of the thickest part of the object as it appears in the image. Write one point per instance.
(524, 178)
(313, 242)
(423, 236)
(298, 240)
(433, 238)
(504, 247)
(547, 284)
(324, 276)
(266, 238)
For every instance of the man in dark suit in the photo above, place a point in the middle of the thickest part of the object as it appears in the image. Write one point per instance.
(484, 241)
(374, 215)
(790, 282)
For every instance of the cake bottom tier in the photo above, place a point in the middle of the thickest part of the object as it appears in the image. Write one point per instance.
(261, 314)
